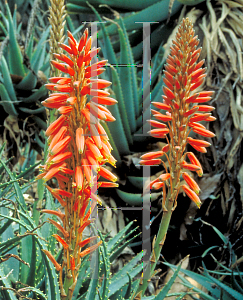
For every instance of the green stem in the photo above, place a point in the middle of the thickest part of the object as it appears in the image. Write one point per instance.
(159, 242)
(68, 282)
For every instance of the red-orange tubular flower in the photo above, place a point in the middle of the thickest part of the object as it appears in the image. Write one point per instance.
(185, 110)
(78, 145)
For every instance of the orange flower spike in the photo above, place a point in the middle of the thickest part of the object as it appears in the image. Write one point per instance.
(182, 75)
(90, 249)
(77, 141)
(191, 194)
(60, 240)
(52, 259)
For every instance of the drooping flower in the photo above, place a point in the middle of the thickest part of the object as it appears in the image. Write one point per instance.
(78, 145)
(185, 110)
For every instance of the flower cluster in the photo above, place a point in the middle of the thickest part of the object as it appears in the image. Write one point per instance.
(78, 147)
(184, 111)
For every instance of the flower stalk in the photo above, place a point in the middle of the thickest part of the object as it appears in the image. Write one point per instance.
(185, 110)
(78, 148)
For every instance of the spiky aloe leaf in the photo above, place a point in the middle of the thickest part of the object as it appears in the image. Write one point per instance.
(118, 238)
(7, 80)
(108, 49)
(121, 278)
(16, 61)
(105, 288)
(37, 60)
(215, 292)
(131, 65)
(6, 294)
(157, 12)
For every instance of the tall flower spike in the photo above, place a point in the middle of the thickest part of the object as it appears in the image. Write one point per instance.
(185, 110)
(78, 147)
(183, 75)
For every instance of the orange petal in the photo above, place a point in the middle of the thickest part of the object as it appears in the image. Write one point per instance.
(52, 259)
(150, 162)
(191, 194)
(79, 178)
(195, 161)
(90, 249)
(199, 143)
(191, 182)
(80, 140)
(60, 240)
(152, 155)
(107, 174)
(86, 241)
(59, 227)
(55, 126)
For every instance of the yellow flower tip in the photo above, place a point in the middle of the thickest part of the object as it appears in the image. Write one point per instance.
(200, 173)
(80, 151)
(74, 185)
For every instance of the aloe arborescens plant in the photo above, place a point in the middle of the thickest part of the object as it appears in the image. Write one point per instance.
(184, 110)
(78, 148)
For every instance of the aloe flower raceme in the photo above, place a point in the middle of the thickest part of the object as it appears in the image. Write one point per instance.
(78, 150)
(184, 110)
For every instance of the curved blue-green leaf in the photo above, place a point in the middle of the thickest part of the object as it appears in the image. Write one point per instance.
(6, 102)
(136, 199)
(138, 182)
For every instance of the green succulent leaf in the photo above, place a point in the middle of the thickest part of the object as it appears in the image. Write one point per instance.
(6, 101)
(121, 278)
(157, 12)
(16, 61)
(136, 199)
